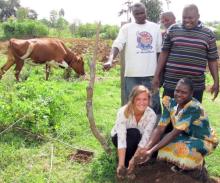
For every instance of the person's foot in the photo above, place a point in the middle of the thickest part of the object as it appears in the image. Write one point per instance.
(199, 174)
(176, 169)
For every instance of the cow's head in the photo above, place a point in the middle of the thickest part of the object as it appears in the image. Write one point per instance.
(78, 65)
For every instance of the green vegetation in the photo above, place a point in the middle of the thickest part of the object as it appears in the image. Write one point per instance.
(217, 31)
(52, 114)
(26, 28)
(89, 30)
(51, 123)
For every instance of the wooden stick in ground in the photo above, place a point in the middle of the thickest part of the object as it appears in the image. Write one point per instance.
(51, 163)
(89, 101)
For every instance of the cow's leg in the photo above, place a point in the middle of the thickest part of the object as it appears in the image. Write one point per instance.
(47, 67)
(18, 68)
(5, 67)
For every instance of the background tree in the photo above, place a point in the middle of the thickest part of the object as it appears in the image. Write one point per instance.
(126, 10)
(53, 17)
(32, 14)
(61, 25)
(73, 27)
(26, 13)
(45, 22)
(154, 9)
(8, 8)
(61, 12)
(168, 3)
(22, 13)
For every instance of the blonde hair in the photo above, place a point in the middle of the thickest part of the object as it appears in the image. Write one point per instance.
(134, 93)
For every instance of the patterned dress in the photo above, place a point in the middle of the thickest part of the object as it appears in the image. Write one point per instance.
(196, 140)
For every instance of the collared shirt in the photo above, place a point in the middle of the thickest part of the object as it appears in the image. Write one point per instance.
(189, 52)
(145, 126)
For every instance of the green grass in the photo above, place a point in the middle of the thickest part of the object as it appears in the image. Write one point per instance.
(60, 117)
(25, 159)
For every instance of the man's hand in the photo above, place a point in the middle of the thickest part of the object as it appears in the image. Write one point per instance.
(155, 83)
(107, 65)
(214, 90)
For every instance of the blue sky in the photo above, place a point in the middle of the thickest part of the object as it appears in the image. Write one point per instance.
(106, 11)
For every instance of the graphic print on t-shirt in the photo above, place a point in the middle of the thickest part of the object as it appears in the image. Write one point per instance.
(144, 41)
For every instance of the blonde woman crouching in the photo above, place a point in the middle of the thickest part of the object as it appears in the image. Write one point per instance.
(134, 124)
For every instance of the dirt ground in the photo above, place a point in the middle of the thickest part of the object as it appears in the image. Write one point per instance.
(160, 172)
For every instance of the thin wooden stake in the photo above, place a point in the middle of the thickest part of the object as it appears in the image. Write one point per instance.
(89, 102)
(51, 163)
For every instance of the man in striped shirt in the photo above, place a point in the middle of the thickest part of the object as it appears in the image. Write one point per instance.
(187, 49)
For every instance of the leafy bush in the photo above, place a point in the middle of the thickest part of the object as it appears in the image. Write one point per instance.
(89, 30)
(37, 107)
(217, 33)
(24, 29)
(109, 32)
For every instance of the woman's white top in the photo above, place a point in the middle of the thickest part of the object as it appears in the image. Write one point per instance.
(145, 126)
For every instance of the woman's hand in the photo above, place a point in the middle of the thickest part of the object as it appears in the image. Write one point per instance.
(130, 171)
(143, 156)
(121, 172)
(131, 165)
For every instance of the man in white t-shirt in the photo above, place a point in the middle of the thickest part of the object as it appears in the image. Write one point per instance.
(142, 41)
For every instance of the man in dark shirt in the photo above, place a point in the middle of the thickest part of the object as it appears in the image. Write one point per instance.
(187, 49)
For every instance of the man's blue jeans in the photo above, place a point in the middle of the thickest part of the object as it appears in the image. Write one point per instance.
(130, 82)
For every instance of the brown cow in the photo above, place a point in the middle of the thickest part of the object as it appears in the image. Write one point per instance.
(49, 51)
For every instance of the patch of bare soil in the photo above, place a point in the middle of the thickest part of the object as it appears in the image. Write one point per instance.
(83, 46)
(160, 172)
(81, 156)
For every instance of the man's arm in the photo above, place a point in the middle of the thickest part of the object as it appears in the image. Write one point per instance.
(213, 67)
(160, 66)
(113, 54)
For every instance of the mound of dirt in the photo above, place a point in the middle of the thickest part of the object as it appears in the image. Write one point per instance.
(160, 172)
(81, 156)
